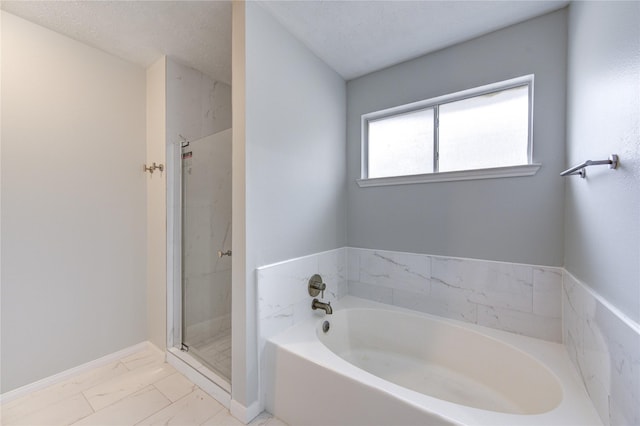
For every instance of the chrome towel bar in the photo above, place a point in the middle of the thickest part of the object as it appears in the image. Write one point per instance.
(580, 168)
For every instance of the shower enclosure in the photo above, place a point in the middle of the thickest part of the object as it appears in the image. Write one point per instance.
(205, 175)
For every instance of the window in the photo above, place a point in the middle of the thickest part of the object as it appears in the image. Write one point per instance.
(478, 133)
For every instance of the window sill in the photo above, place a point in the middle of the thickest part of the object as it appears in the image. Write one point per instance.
(492, 173)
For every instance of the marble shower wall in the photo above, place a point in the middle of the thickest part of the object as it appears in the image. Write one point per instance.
(523, 299)
(605, 348)
(197, 105)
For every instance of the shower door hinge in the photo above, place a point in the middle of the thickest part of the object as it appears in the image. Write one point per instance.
(184, 142)
(184, 347)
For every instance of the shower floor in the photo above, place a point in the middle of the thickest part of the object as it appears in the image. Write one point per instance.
(216, 352)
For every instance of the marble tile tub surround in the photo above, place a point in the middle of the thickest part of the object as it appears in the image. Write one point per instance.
(519, 298)
(604, 346)
(537, 301)
(283, 298)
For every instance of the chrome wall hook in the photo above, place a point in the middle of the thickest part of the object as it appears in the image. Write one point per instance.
(224, 253)
(153, 167)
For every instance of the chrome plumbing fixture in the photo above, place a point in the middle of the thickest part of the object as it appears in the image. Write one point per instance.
(153, 167)
(316, 286)
(326, 307)
(325, 326)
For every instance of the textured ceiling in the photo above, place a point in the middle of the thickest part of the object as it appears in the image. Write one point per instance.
(196, 33)
(358, 37)
(353, 37)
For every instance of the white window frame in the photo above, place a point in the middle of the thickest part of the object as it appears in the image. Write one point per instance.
(528, 169)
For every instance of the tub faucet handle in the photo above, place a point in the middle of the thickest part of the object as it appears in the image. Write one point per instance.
(316, 286)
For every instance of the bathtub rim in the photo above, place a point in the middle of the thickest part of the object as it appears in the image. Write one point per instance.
(575, 408)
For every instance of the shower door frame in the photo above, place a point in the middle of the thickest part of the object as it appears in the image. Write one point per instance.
(214, 384)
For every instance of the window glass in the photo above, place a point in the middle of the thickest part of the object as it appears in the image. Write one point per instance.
(485, 131)
(401, 144)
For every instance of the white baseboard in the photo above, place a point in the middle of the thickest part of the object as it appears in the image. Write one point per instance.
(245, 414)
(64, 375)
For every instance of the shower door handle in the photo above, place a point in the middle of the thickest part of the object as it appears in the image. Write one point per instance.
(224, 253)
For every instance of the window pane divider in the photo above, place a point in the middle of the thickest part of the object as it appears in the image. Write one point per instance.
(436, 138)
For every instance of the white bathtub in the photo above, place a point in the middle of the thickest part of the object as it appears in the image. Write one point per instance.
(383, 365)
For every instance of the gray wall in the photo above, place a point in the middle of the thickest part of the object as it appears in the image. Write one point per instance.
(295, 142)
(510, 219)
(295, 162)
(602, 223)
(73, 203)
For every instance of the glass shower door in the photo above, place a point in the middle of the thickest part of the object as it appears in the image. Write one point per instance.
(206, 251)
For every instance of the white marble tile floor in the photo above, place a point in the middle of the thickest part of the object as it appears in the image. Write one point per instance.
(140, 389)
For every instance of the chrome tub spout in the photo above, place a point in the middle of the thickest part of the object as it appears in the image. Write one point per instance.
(316, 304)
